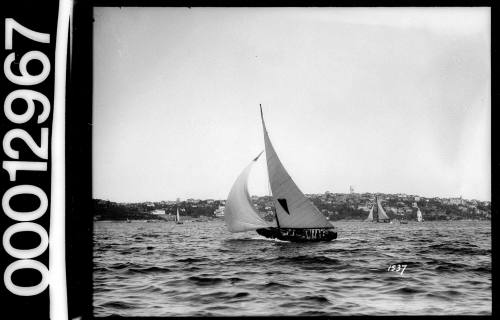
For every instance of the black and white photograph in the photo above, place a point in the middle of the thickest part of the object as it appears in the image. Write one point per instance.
(291, 161)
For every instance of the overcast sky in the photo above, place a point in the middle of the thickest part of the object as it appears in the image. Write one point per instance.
(386, 100)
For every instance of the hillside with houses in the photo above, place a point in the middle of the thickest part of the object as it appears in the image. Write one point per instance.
(335, 206)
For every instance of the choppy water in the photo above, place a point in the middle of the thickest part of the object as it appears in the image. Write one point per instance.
(199, 269)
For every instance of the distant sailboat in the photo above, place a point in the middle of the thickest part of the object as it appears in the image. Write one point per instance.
(178, 217)
(419, 215)
(297, 219)
(370, 216)
(381, 216)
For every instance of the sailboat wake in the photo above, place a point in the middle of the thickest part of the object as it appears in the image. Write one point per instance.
(262, 238)
(254, 239)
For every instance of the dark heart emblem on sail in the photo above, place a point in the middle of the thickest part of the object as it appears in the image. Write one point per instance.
(282, 202)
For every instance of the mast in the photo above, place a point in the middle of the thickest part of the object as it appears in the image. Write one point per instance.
(269, 182)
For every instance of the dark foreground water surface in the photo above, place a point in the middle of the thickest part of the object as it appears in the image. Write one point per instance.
(198, 269)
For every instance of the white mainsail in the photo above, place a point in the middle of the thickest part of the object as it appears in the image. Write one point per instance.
(419, 215)
(293, 209)
(178, 218)
(370, 216)
(381, 212)
(239, 213)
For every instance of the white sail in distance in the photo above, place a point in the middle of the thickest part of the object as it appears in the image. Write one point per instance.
(419, 215)
(178, 218)
(381, 212)
(239, 213)
(370, 216)
(293, 209)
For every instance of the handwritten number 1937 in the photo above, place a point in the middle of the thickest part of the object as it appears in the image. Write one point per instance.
(397, 268)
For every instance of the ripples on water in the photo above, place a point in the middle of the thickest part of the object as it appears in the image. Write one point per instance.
(200, 269)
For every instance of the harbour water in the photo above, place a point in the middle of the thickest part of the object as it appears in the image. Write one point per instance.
(200, 269)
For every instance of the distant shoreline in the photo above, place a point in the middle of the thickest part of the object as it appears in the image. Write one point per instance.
(334, 206)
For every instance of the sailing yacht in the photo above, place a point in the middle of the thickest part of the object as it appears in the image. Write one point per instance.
(297, 219)
(381, 216)
(419, 216)
(370, 215)
(178, 217)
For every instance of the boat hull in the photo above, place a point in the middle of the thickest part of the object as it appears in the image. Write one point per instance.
(299, 234)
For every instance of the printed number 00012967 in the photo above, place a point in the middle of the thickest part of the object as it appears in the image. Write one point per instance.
(20, 75)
